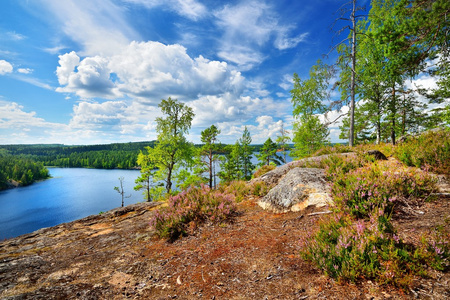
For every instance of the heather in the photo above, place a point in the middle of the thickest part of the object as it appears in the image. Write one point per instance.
(358, 241)
(192, 207)
(430, 151)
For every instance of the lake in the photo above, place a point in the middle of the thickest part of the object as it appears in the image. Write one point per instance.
(71, 194)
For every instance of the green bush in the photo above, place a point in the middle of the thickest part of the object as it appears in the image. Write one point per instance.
(430, 151)
(197, 204)
(348, 249)
(359, 241)
(263, 170)
(361, 190)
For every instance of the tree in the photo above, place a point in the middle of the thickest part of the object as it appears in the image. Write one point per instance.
(172, 149)
(209, 159)
(231, 165)
(246, 154)
(120, 190)
(309, 136)
(282, 141)
(307, 96)
(145, 181)
(268, 153)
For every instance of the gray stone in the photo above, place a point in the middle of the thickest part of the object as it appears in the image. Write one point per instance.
(298, 189)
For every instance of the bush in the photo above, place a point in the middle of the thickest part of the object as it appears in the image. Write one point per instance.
(373, 186)
(429, 151)
(263, 170)
(359, 241)
(348, 249)
(193, 205)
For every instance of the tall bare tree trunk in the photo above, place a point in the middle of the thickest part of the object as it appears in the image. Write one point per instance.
(351, 136)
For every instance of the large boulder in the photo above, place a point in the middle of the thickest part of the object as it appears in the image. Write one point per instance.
(297, 190)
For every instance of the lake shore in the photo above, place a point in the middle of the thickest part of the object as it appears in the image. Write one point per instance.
(115, 255)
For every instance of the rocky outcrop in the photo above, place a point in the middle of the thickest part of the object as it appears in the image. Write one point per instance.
(296, 186)
(299, 189)
(273, 177)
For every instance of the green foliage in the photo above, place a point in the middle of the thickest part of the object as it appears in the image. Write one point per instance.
(111, 156)
(348, 249)
(309, 136)
(207, 153)
(246, 154)
(195, 205)
(307, 96)
(268, 154)
(263, 170)
(231, 165)
(172, 151)
(282, 141)
(20, 169)
(429, 151)
(374, 186)
(237, 165)
(359, 241)
(238, 188)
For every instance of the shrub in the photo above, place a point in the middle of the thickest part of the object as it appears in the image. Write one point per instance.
(348, 249)
(338, 148)
(359, 241)
(430, 151)
(238, 188)
(263, 170)
(197, 204)
(373, 186)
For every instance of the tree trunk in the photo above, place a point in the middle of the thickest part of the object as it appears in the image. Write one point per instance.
(393, 111)
(351, 136)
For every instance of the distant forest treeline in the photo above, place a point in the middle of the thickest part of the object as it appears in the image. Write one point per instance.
(24, 164)
(16, 170)
(110, 156)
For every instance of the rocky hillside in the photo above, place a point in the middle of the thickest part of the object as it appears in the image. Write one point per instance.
(116, 256)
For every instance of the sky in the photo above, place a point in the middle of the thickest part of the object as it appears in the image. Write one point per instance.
(93, 72)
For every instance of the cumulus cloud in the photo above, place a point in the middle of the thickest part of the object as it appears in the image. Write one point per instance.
(5, 67)
(88, 78)
(149, 71)
(265, 127)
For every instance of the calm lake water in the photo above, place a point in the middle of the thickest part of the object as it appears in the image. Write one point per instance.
(71, 194)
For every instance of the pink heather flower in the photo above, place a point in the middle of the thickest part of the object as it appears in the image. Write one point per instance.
(396, 238)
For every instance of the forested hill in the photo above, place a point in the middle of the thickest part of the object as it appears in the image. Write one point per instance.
(108, 156)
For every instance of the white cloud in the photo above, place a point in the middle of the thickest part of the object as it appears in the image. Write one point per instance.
(91, 78)
(287, 82)
(190, 9)
(5, 67)
(149, 71)
(25, 70)
(54, 50)
(247, 27)
(15, 36)
(283, 42)
(34, 81)
(264, 128)
(100, 27)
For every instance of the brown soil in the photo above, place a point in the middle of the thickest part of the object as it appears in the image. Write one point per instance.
(116, 256)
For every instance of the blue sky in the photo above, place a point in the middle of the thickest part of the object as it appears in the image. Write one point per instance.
(92, 72)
